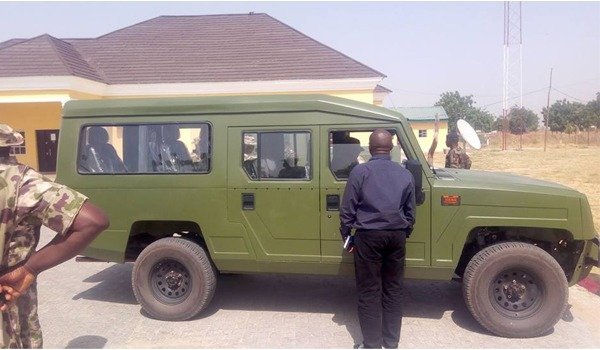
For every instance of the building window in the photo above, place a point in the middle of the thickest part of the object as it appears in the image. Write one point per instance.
(20, 149)
(422, 133)
(145, 149)
(276, 155)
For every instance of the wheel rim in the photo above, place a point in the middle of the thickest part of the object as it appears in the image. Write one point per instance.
(171, 281)
(516, 293)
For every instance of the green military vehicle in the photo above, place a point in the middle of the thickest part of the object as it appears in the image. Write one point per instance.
(198, 186)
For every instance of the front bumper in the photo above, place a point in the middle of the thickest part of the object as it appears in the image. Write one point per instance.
(589, 258)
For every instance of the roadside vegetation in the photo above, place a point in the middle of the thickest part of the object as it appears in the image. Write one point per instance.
(564, 116)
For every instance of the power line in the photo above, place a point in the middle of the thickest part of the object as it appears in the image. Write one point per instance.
(564, 93)
(510, 99)
(516, 97)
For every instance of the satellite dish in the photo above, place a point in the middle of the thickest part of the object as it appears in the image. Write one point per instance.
(468, 133)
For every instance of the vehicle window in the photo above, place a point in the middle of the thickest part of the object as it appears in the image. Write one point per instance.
(277, 155)
(347, 148)
(145, 149)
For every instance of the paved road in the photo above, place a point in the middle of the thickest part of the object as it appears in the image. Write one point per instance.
(91, 305)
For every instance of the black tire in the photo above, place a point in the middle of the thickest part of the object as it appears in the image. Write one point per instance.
(173, 279)
(515, 290)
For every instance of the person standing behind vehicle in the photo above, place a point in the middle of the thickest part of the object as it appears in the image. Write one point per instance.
(456, 156)
(27, 201)
(379, 202)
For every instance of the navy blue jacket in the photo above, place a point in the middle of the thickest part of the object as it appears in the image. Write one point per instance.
(379, 195)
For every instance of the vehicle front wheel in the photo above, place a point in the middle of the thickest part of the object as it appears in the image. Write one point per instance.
(173, 279)
(515, 290)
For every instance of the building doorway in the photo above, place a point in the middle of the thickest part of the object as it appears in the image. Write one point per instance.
(47, 145)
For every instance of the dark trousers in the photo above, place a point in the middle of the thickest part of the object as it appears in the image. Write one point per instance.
(379, 268)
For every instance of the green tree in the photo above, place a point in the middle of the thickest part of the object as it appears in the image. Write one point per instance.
(570, 128)
(481, 120)
(463, 107)
(592, 109)
(563, 113)
(591, 116)
(579, 116)
(497, 124)
(456, 106)
(522, 120)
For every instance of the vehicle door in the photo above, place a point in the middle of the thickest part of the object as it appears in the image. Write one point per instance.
(341, 149)
(273, 190)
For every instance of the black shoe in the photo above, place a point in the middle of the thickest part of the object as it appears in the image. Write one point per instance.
(359, 346)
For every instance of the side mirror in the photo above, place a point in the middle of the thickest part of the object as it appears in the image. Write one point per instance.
(415, 168)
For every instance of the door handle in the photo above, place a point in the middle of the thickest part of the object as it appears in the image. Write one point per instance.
(332, 202)
(247, 201)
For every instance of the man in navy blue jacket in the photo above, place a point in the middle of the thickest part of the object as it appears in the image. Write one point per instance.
(379, 202)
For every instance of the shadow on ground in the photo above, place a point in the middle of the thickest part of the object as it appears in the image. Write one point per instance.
(113, 285)
(337, 296)
(87, 342)
(298, 293)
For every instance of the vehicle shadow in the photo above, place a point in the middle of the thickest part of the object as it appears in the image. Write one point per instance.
(113, 285)
(298, 293)
(337, 296)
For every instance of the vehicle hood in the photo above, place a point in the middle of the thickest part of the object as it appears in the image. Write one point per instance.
(488, 180)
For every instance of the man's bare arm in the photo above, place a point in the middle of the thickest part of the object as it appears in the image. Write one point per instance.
(436, 131)
(87, 225)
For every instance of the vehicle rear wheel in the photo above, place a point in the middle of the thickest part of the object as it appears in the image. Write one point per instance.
(515, 290)
(173, 279)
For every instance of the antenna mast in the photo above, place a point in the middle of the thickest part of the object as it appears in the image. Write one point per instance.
(512, 92)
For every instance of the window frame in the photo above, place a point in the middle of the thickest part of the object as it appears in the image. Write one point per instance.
(276, 131)
(362, 129)
(424, 133)
(88, 125)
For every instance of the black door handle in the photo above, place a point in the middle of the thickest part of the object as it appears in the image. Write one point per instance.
(247, 201)
(333, 202)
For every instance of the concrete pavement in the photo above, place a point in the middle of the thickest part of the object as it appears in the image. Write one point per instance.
(91, 305)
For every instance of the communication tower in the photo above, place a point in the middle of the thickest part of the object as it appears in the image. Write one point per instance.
(512, 93)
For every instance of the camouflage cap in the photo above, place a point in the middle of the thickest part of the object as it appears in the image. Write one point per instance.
(9, 137)
(452, 137)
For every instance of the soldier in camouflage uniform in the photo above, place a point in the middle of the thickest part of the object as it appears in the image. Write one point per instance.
(456, 156)
(27, 201)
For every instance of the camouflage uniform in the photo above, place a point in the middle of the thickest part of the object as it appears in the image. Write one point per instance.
(458, 158)
(27, 201)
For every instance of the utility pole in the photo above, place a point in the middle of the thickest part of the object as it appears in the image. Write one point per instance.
(547, 111)
(512, 64)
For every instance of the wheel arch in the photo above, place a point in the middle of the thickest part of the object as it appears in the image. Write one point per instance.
(559, 243)
(144, 232)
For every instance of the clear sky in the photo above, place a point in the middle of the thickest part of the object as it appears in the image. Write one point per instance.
(424, 48)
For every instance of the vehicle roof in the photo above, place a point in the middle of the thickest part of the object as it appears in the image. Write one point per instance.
(227, 105)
